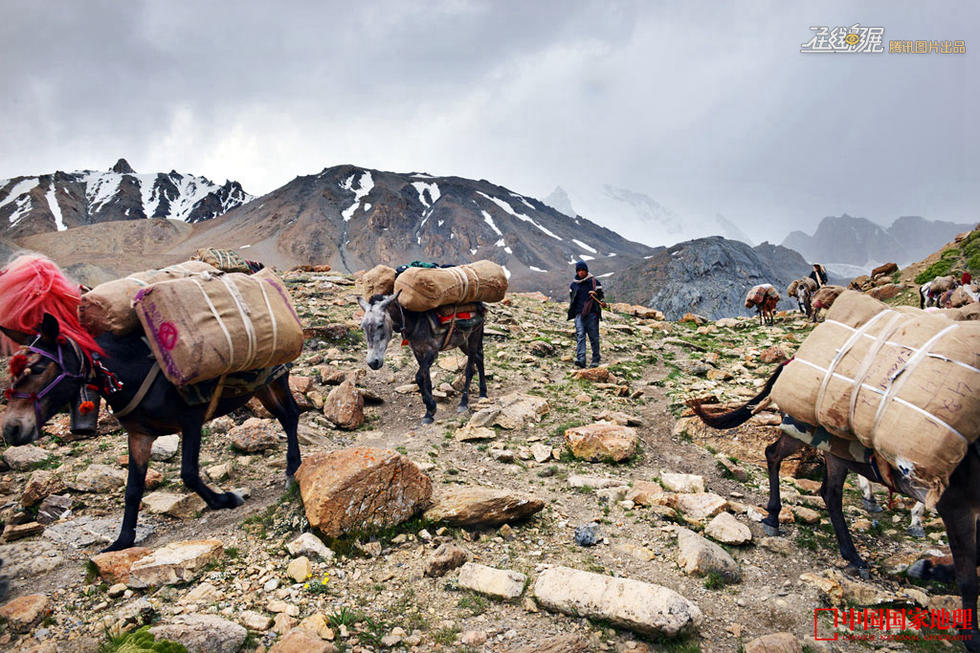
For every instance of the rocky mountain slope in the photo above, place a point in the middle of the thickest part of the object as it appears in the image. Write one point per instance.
(353, 218)
(708, 276)
(62, 200)
(860, 242)
(267, 582)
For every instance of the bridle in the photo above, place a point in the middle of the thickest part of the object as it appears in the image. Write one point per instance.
(36, 397)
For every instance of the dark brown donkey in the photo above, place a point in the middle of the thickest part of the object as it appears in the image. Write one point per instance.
(959, 505)
(53, 371)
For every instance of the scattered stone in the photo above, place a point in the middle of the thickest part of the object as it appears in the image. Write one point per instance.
(737, 472)
(13, 532)
(344, 406)
(498, 583)
(316, 624)
(541, 452)
(774, 643)
(299, 569)
(99, 478)
(446, 558)
(219, 472)
(282, 623)
(176, 563)
(618, 418)
(682, 482)
(202, 593)
(635, 550)
(309, 544)
(408, 388)
(23, 612)
(470, 433)
(254, 435)
(298, 640)
(632, 604)
(774, 354)
(594, 374)
(53, 508)
(473, 638)
(839, 590)
(113, 566)
(480, 506)
(700, 506)
(164, 447)
(24, 457)
(806, 515)
(255, 621)
(612, 494)
(517, 409)
(726, 529)
(700, 557)
(87, 531)
(542, 348)
(602, 441)
(358, 487)
(587, 534)
(594, 482)
(41, 484)
(181, 506)
(117, 590)
(727, 322)
(202, 633)
(645, 493)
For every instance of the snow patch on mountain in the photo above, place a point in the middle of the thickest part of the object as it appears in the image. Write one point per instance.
(520, 216)
(364, 187)
(59, 222)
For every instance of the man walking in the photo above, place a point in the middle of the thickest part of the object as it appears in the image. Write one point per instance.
(586, 295)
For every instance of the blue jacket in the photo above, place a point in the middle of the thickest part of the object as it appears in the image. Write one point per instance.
(580, 303)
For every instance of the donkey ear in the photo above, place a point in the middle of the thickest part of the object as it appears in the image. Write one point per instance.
(50, 328)
(364, 304)
(17, 336)
(391, 298)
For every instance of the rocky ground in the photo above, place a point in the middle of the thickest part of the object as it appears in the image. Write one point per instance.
(677, 557)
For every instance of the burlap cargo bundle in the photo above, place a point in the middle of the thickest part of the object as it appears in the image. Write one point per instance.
(109, 306)
(902, 382)
(379, 280)
(791, 290)
(960, 297)
(226, 260)
(201, 328)
(423, 289)
(942, 284)
(757, 294)
(826, 296)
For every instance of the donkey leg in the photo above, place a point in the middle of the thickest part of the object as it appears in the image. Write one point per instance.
(464, 401)
(139, 459)
(424, 380)
(278, 400)
(190, 471)
(961, 527)
(478, 356)
(867, 496)
(832, 491)
(915, 528)
(775, 454)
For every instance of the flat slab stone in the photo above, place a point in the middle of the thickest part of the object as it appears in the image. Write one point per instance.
(632, 604)
(682, 482)
(481, 506)
(202, 633)
(699, 506)
(726, 529)
(595, 482)
(699, 556)
(87, 531)
(498, 583)
(179, 562)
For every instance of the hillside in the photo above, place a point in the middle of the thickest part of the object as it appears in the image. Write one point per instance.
(372, 592)
(708, 276)
(961, 253)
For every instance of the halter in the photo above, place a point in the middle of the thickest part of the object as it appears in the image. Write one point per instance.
(36, 397)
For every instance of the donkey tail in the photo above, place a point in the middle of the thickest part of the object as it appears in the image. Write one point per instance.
(738, 416)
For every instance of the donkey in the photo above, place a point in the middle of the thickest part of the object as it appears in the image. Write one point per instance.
(56, 370)
(764, 298)
(802, 290)
(959, 505)
(383, 315)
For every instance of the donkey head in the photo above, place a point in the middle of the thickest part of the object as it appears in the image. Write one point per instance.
(45, 375)
(377, 325)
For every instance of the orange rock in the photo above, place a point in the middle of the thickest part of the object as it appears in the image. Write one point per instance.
(25, 611)
(114, 566)
(601, 441)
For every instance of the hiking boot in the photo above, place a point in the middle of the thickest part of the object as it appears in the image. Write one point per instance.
(593, 364)
(579, 363)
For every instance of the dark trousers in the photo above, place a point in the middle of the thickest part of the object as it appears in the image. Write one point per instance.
(587, 325)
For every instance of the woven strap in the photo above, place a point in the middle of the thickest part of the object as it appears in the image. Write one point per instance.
(141, 393)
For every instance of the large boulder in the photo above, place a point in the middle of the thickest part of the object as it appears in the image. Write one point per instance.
(636, 605)
(498, 583)
(23, 612)
(202, 633)
(700, 557)
(254, 435)
(24, 457)
(602, 441)
(174, 564)
(360, 487)
(113, 566)
(344, 406)
(481, 506)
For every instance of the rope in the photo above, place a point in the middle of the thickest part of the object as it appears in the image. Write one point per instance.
(221, 323)
(141, 393)
(213, 404)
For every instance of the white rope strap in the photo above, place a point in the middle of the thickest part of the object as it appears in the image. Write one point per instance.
(844, 349)
(243, 310)
(862, 372)
(897, 380)
(275, 325)
(221, 323)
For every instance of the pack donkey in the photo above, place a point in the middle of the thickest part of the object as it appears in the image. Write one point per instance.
(61, 364)
(959, 505)
(427, 336)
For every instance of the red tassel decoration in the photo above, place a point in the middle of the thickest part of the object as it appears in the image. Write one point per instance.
(17, 365)
(86, 407)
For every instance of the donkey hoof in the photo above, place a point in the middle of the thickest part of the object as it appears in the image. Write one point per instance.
(118, 545)
(916, 531)
(462, 408)
(291, 482)
(771, 531)
(860, 570)
(871, 506)
(428, 419)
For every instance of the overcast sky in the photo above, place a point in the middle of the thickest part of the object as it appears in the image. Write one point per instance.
(705, 106)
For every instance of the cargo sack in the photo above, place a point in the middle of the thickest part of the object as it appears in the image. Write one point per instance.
(200, 328)
(424, 289)
(902, 382)
(940, 285)
(757, 294)
(809, 283)
(226, 260)
(826, 296)
(791, 290)
(960, 297)
(109, 306)
(379, 280)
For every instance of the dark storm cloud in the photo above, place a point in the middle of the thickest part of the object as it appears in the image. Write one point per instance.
(707, 107)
